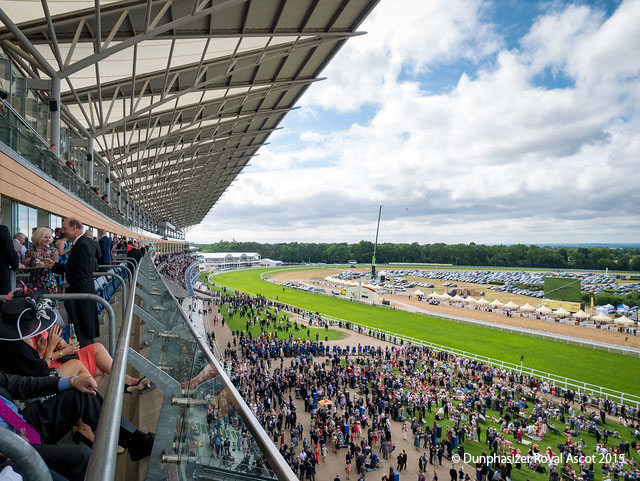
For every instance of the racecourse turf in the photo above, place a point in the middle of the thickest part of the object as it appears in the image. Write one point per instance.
(607, 369)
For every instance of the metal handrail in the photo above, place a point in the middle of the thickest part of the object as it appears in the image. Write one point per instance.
(23, 454)
(127, 259)
(118, 265)
(124, 288)
(102, 463)
(276, 461)
(87, 297)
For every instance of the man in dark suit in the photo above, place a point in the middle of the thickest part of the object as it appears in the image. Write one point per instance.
(134, 253)
(106, 244)
(78, 270)
(8, 259)
(50, 420)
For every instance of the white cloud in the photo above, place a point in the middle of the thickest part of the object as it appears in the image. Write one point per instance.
(495, 159)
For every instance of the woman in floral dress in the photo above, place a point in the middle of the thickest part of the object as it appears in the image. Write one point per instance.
(63, 245)
(41, 278)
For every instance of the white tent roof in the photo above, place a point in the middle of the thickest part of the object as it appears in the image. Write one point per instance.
(527, 308)
(470, 300)
(561, 312)
(482, 302)
(581, 315)
(601, 318)
(457, 297)
(434, 295)
(496, 303)
(445, 296)
(543, 310)
(418, 292)
(511, 305)
(623, 321)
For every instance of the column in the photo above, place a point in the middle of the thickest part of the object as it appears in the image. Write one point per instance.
(90, 159)
(54, 111)
(107, 182)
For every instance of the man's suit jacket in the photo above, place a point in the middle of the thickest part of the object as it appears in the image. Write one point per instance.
(79, 269)
(22, 387)
(8, 259)
(80, 266)
(105, 244)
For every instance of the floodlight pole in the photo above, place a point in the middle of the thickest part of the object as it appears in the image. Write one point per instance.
(373, 260)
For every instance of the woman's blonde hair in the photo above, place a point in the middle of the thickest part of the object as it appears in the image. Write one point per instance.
(39, 234)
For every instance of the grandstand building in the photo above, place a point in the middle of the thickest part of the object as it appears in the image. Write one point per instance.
(230, 260)
(135, 116)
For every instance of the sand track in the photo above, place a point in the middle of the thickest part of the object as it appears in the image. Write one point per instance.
(582, 332)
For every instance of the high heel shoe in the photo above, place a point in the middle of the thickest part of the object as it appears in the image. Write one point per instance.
(145, 385)
(78, 438)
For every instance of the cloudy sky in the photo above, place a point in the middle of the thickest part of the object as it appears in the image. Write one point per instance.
(468, 120)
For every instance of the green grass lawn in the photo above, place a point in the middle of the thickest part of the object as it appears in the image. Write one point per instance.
(239, 323)
(611, 370)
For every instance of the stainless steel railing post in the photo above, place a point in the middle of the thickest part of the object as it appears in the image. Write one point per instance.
(23, 454)
(102, 463)
(124, 288)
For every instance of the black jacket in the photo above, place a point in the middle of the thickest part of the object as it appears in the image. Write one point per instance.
(79, 269)
(105, 244)
(80, 266)
(8, 260)
(20, 387)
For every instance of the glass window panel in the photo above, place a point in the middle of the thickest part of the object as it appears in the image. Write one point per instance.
(43, 120)
(7, 214)
(23, 220)
(31, 109)
(19, 94)
(33, 219)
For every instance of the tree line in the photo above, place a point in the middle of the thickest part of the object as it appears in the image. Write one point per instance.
(517, 255)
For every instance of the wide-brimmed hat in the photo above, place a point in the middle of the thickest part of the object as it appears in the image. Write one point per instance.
(25, 317)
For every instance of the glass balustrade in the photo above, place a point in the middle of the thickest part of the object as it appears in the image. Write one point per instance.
(212, 436)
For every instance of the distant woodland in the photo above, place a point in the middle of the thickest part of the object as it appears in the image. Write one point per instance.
(518, 255)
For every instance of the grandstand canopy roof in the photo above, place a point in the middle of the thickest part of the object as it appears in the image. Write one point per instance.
(178, 94)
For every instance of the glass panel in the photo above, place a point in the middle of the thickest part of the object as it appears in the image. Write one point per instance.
(6, 211)
(23, 220)
(19, 94)
(31, 109)
(99, 176)
(5, 75)
(16, 134)
(210, 432)
(33, 219)
(43, 120)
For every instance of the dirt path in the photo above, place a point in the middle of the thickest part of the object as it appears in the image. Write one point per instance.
(583, 332)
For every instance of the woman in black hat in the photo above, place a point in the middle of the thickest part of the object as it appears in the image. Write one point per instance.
(43, 352)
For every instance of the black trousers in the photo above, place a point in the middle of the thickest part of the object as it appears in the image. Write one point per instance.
(56, 416)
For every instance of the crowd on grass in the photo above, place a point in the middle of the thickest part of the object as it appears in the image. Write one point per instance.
(354, 399)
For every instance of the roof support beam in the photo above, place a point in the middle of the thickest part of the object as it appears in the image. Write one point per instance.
(31, 49)
(152, 32)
